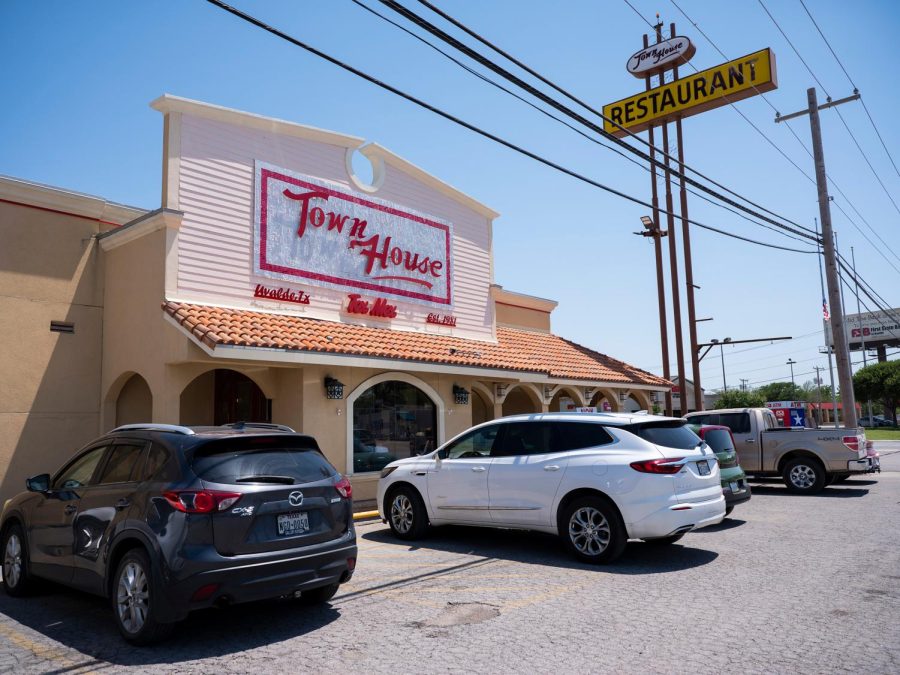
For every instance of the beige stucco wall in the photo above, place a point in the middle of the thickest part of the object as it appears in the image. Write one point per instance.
(49, 398)
(522, 317)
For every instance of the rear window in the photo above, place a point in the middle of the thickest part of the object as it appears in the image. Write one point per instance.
(719, 440)
(260, 460)
(739, 423)
(675, 434)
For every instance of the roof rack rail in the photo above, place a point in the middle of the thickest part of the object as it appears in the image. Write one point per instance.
(259, 425)
(173, 428)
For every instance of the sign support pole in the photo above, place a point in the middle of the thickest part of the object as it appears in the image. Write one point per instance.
(657, 245)
(862, 336)
(673, 253)
(688, 263)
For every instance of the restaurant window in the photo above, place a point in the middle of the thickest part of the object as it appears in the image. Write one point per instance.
(392, 420)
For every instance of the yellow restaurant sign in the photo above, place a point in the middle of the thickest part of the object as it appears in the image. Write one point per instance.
(747, 76)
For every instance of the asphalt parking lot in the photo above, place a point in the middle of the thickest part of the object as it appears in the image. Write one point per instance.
(789, 584)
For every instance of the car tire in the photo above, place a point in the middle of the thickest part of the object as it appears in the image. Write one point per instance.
(804, 476)
(134, 594)
(406, 513)
(664, 541)
(317, 596)
(592, 530)
(728, 510)
(14, 561)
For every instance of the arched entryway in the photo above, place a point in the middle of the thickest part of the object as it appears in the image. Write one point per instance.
(222, 396)
(392, 416)
(605, 400)
(134, 403)
(482, 408)
(566, 399)
(521, 400)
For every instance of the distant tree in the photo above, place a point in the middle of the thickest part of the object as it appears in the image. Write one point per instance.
(735, 398)
(812, 394)
(880, 381)
(781, 391)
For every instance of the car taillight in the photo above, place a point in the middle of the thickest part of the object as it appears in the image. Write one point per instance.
(344, 488)
(851, 442)
(201, 501)
(667, 465)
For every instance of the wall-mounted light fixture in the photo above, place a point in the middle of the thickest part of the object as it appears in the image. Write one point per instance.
(334, 389)
(623, 396)
(460, 395)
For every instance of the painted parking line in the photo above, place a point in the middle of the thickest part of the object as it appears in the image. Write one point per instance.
(46, 652)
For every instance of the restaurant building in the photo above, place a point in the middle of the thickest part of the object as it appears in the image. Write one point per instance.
(273, 285)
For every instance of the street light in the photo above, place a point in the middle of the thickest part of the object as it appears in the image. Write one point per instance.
(722, 354)
(791, 363)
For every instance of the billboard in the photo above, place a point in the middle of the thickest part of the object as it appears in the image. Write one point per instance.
(315, 232)
(873, 328)
(726, 83)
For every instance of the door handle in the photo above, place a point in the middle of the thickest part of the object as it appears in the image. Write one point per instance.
(551, 467)
(478, 469)
(750, 440)
(70, 509)
(122, 504)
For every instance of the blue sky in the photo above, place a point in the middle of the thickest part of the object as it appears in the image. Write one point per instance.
(79, 77)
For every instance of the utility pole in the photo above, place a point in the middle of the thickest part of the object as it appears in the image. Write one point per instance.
(828, 348)
(791, 363)
(651, 225)
(744, 384)
(862, 337)
(842, 355)
(818, 396)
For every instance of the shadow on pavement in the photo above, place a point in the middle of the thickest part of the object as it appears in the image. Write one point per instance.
(727, 524)
(830, 491)
(85, 623)
(537, 548)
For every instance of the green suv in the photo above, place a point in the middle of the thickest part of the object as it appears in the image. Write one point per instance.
(734, 481)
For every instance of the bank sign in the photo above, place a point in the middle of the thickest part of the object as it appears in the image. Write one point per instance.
(729, 82)
(310, 231)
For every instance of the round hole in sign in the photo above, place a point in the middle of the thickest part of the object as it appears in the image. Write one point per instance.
(366, 173)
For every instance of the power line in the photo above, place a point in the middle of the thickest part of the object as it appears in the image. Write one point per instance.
(802, 144)
(422, 23)
(852, 84)
(471, 127)
(590, 138)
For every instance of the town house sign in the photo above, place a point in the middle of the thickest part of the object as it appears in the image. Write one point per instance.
(310, 231)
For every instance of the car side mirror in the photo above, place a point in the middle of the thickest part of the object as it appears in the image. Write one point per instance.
(39, 483)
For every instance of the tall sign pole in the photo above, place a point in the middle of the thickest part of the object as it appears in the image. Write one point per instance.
(841, 348)
(688, 264)
(673, 254)
(657, 244)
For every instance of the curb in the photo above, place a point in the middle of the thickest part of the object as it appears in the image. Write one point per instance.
(365, 515)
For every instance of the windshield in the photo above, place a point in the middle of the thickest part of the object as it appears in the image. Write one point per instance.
(673, 434)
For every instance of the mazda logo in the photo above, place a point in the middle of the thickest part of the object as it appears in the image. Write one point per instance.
(295, 498)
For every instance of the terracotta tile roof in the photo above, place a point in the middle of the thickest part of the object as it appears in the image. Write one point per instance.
(515, 350)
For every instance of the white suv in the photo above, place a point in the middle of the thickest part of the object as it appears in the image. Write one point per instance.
(597, 480)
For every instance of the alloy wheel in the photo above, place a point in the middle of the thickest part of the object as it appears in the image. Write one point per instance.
(589, 531)
(12, 561)
(802, 476)
(402, 513)
(133, 597)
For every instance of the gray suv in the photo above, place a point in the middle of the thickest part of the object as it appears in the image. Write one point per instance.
(164, 519)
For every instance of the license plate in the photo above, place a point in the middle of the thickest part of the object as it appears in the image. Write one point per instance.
(735, 486)
(292, 523)
(703, 467)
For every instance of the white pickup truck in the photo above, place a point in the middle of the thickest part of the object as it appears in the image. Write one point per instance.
(806, 459)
